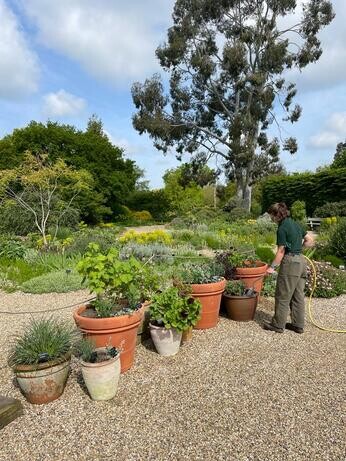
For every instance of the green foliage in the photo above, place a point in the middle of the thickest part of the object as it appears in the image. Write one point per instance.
(155, 201)
(265, 254)
(14, 219)
(104, 237)
(61, 281)
(200, 273)
(157, 251)
(340, 156)
(12, 249)
(18, 271)
(174, 309)
(43, 340)
(86, 350)
(315, 189)
(269, 286)
(338, 239)
(331, 209)
(238, 213)
(334, 260)
(155, 236)
(298, 212)
(235, 288)
(330, 282)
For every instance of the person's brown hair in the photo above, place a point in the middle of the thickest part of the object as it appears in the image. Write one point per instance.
(279, 211)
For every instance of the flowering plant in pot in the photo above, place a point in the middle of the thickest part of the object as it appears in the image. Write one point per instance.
(239, 301)
(171, 313)
(100, 369)
(121, 288)
(207, 284)
(41, 357)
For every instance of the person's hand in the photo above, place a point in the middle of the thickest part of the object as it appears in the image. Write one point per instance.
(270, 270)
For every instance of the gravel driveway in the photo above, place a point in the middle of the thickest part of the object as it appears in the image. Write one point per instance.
(235, 393)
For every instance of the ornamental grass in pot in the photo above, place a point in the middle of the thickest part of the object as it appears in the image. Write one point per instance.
(172, 312)
(121, 288)
(239, 301)
(100, 369)
(206, 284)
(40, 359)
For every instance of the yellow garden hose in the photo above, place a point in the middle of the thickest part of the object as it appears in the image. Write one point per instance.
(310, 301)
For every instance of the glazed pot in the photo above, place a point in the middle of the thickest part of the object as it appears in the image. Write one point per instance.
(252, 276)
(167, 342)
(240, 308)
(101, 379)
(187, 335)
(209, 294)
(118, 331)
(44, 382)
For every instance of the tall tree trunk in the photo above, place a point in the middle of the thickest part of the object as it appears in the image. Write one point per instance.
(244, 190)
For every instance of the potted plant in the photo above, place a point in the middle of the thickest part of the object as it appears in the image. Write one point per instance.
(121, 288)
(239, 301)
(171, 313)
(41, 357)
(100, 369)
(207, 285)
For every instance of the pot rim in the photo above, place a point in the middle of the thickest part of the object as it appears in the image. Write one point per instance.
(239, 297)
(83, 307)
(23, 368)
(100, 364)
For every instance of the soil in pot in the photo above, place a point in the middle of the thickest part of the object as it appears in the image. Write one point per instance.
(240, 308)
(102, 377)
(44, 382)
(209, 295)
(167, 342)
(120, 331)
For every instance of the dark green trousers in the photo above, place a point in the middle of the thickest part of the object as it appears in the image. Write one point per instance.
(289, 294)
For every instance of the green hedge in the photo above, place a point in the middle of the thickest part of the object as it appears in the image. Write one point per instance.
(315, 189)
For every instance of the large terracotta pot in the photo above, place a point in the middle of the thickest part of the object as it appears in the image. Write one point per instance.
(101, 379)
(115, 331)
(240, 308)
(44, 382)
(252, 276)
(209, 294)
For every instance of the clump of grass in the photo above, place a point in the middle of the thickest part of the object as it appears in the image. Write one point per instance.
(54, 282)
(43, 340)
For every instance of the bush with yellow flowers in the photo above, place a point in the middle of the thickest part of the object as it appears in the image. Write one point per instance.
(155, 236)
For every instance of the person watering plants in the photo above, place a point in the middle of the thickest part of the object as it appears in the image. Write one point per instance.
(289, 294)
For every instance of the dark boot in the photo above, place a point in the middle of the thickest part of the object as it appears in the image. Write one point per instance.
(292, 327)
(270, 327)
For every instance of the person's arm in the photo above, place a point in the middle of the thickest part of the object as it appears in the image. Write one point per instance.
(277, 260)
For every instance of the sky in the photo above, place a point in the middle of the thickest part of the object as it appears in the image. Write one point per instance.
(66, 60)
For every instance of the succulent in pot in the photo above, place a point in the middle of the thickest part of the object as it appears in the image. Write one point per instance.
(239, 301)
(207, 284)
(121, 288)
(172, 312)
(100, 369)
(41, 357)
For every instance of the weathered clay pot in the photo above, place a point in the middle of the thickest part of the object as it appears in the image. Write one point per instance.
(252, 276)
(209, 295)
(187, 335)
(101, 379)
(167, 342)
(44, 382)
(112, 331)
(240, 308)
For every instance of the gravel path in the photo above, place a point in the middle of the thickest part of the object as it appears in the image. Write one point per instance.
(235, 393)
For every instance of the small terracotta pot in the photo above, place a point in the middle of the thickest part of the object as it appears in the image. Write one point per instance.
(187, 335)
(44, 382)
(240, 308)
(252, 276)
(101, 379)
(115, 331)
(209, 294)
(167, 342)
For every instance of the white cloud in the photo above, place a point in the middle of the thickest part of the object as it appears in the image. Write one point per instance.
(62, 104)
(334, 132)
(113, 41)
(19, 71)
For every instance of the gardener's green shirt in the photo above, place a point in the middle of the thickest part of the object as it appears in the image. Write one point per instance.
(290, 235)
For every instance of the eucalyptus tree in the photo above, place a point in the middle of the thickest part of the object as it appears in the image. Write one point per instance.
(228, 63)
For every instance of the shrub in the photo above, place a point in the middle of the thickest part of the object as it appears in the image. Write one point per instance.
(157, 251)
(330, 282)
(155, 236)
(265, 254)
(12, 249)
(269, 286)
(197, 273)
(235, 288)
(105, 238)
(54, 282)
(331, 209)
(142, 216)
(43, 340)
(338, 239)
(174, 309)
(15, 220)
(238, 213)
(298, 212)
(19, 271)
(334, 260)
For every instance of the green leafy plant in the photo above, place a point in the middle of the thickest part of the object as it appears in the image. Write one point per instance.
(86, 350)
(265, 254)
(338, 239)
(197, 273)
(235, 288)
(298, 212)
(12, 249)
(330, 282)
(174, 309)
(331, 209)
(43, 340)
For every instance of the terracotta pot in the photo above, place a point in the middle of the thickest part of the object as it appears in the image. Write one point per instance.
(252, 276)
(209, 294)
(167, 342)
(187, 335)
(115, 331)
(240, 308)
(44, 382)
(101, 379)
